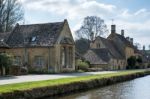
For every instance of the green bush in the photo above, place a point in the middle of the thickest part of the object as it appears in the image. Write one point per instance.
(82, 65)
(131, 62)
(148, 65)
(5, 62)
(39, 71)
(139, 60)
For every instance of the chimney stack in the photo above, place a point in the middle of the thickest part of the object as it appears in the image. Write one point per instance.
(128, 38)
(122, 32)
(131, 40)
(113, 28)
(143, 47)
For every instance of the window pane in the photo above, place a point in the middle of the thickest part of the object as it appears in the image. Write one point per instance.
(17, 60)
(39, 61)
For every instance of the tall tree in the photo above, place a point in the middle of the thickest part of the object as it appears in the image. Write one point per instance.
(92, 27)
(11, 12)
(82, 45)
(137, 45)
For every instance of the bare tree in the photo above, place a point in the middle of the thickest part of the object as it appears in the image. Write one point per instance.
(137, 45)
(10, 13)
(2, 12)
(92, 27)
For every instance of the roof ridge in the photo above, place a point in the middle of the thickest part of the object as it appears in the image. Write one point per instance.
(41, 23)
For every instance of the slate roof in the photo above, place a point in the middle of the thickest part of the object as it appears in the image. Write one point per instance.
(122, 38)
(3, 45)
(35, 35)
(98, 56)
(3, 39)
(4, 36)
(79, 56)
(110, 45)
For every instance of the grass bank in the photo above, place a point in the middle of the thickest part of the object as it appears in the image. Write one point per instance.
(39, 89)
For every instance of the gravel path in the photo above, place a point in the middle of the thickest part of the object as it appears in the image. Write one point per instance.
(28, 78)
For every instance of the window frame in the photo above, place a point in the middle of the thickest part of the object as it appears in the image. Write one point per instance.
(39, 61)
(17, 61)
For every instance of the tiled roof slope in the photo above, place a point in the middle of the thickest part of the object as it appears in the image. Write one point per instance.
(121, 42)
(98, 56)
(3, 39)
(4, 36)
(35, 34)
(3, 45)
(122, 38)
(110, 45)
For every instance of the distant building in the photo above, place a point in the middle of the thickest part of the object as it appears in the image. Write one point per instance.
(41, 47)
(146, 57)
(111, 53)
(103, 53)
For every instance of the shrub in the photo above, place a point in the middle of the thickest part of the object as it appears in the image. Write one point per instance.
(139, 59)
(82, 65)
(39, 71)
(131, 62)
(5, 62)
(148, 65)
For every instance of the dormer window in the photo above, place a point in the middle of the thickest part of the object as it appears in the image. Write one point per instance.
(33, 39)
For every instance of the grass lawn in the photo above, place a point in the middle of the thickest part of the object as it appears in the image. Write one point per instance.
(35, 84)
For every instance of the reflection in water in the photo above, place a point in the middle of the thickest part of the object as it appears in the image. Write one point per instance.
(135, 89)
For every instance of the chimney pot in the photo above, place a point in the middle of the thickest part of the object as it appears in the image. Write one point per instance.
(144, 48)
(113, 28)
(122, 32)
(131, 40)
(128, 38)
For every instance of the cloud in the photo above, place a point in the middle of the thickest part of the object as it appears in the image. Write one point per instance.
(72, 9)
(136, 23)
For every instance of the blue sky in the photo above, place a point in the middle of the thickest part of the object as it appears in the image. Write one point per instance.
(131, 15)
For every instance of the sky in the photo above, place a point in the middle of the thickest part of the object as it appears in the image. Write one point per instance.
(131, 15)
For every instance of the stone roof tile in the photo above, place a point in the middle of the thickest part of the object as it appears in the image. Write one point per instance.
(35, 35)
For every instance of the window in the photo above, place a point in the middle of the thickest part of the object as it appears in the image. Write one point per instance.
(17, 60)
(33, 39)
(39, 61)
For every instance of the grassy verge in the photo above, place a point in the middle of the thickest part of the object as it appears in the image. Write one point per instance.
(57, 82)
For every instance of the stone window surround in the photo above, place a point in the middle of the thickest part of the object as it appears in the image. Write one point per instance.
(39, 61)
(17, 61)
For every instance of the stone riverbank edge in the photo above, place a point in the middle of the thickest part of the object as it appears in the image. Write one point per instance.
(50, 88)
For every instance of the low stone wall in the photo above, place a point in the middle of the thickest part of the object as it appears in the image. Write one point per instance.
(71, 87)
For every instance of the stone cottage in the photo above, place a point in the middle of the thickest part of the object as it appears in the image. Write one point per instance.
(111, 53)
(124, 44)
(45, 47)
(103, 54)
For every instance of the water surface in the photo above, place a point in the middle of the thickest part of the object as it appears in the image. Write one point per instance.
(134, 89)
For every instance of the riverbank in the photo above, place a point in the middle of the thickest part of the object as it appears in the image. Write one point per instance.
(61, 86)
